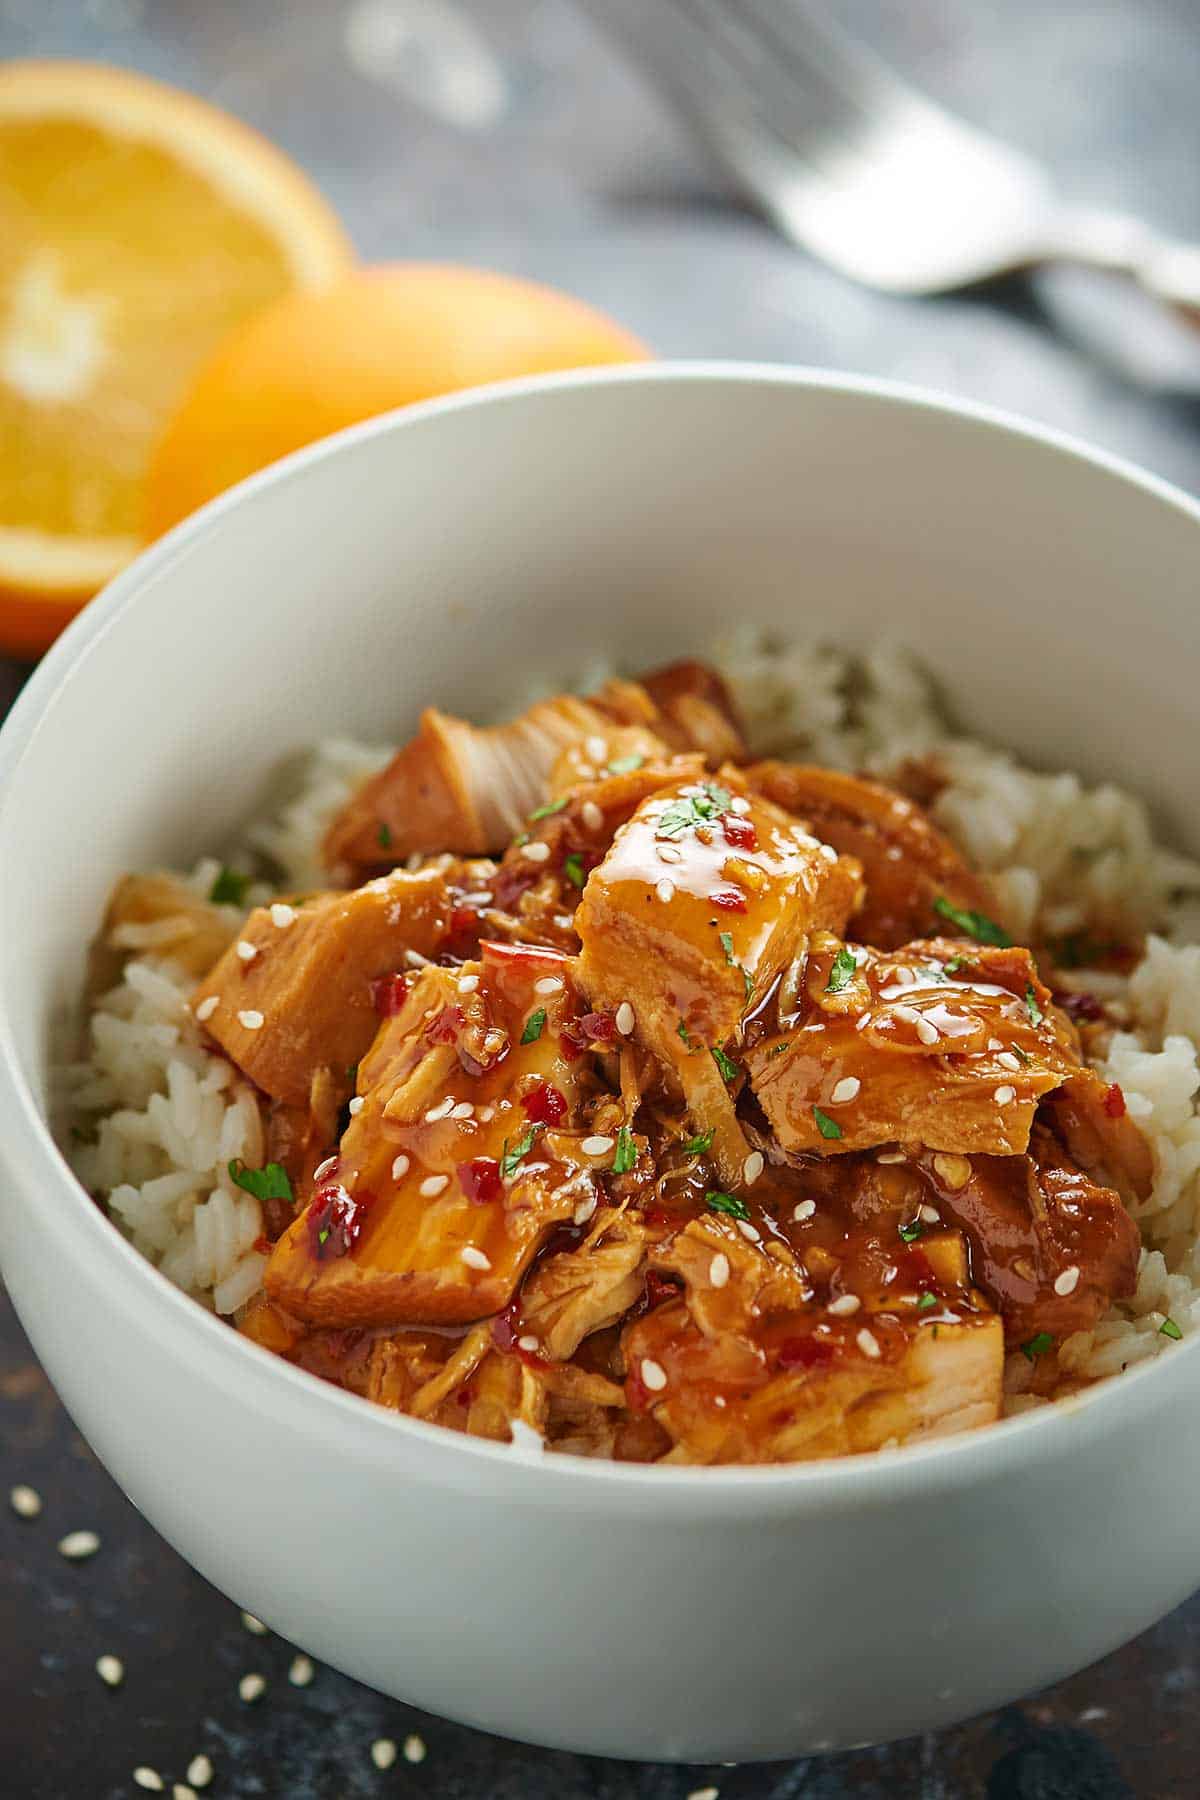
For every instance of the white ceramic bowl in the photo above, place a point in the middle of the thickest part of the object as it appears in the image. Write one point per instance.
(449, 553)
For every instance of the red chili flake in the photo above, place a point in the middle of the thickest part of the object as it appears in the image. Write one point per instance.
(806, 1352)
(388, 995)
(465, 1395)
(739, 832)
(336, 1220)
(480, 1179)
(732, 899)
(660, 1288)
(1114, 1101)
(507, 1329)
(263, 1244)
(600, 1025)
(545, 1104)
(446, 1027)
(1081, 1006)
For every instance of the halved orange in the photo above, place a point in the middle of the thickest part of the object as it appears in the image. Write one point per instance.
(138, 225)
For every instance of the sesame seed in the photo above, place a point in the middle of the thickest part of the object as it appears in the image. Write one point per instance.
(1003, 1095)
(994, 1044)
(930, 1215)
(537, 852)
(846, 1090)
(485, 1113)
(254, 1625)
(467, 984)
(805, 1210)
(668, 853)
(593, 818)
(718, 1269)
(718, 1400)
(1068, 1281)
(739, 806)
(383, 1753)
(302, 1670)
(148, 1778)
(654, 1376)
(464, 1110)
(528, 1342)
(584, 1210)
(26, 1502)
(952, 1171)
(246, 950)
(442, 1110)
(597, 1146)
(927, 1031)
(200, 1771)
(415, 960)
(867, 1342)
(891, 1156)
(829, 853)
(1007, 1060)
(862, 1023)
(400, 1167)
(844, 1305)
(494, 1042)
(250, 1020)
(549, 984)
(251, 1687)
(750, 1232)
(325, 1168)
(77, 1545)
(595, 748)
(356, 1106)
(625, 1018)
(475, 1259)
(111, 1670)
(206, 1008)
(181, 1791)
(665, 890)
(282, 914)
(414, 1749)
(753, 1167)
(433, 1185)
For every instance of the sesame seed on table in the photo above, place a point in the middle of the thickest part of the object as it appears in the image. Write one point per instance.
(581, 180)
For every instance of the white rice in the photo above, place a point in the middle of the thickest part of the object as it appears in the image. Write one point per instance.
(157, 1118)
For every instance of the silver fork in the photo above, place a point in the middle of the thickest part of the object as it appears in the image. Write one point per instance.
(862, 170)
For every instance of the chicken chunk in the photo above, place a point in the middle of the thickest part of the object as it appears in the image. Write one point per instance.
(577, 1292)
(299, 990)
(689, 706)
(911, 870)
(465, 1147)
(159, 915)
(941, 1043)
(705, 895)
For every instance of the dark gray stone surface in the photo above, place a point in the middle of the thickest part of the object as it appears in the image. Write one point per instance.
(533, 149)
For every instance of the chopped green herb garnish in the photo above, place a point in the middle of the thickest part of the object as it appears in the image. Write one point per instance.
(954, 965)
(1170, 1329)
(727, 945)
(975, 924)
(624, 765)
(384, 834)
(828, 1128)
(534, 1025)
(521, 838)
(546, 812)
(843, 971)
(1037, 1346)
(1021, 1055)
(698, 1145)
(726, 1203)
(778, 1049)
(270, 1183)
(682, 1031)
(687, 811)
(1031, 1006)
(323, 1235)
(926, 1301)
(352, 1073)
(573, 870)
(627, 1152)
(911, 1231)
(229, 889)
(511, 1160)
(728, 1069)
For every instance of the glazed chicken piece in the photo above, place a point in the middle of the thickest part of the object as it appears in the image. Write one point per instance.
(467, 1144)
(159, 915)
(911, 870)
(469, 789)
(576, 1292)
(309, 996)
(942, 1043)
(1090, 1119)
(705, 895)
(749, 1367)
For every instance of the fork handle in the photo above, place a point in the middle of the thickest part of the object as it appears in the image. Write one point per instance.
(1165, 268)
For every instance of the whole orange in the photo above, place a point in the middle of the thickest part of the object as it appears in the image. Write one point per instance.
(376, 338)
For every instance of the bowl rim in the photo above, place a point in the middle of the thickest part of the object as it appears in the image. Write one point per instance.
(937, 1464)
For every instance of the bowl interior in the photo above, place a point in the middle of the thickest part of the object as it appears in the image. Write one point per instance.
(458, 553)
